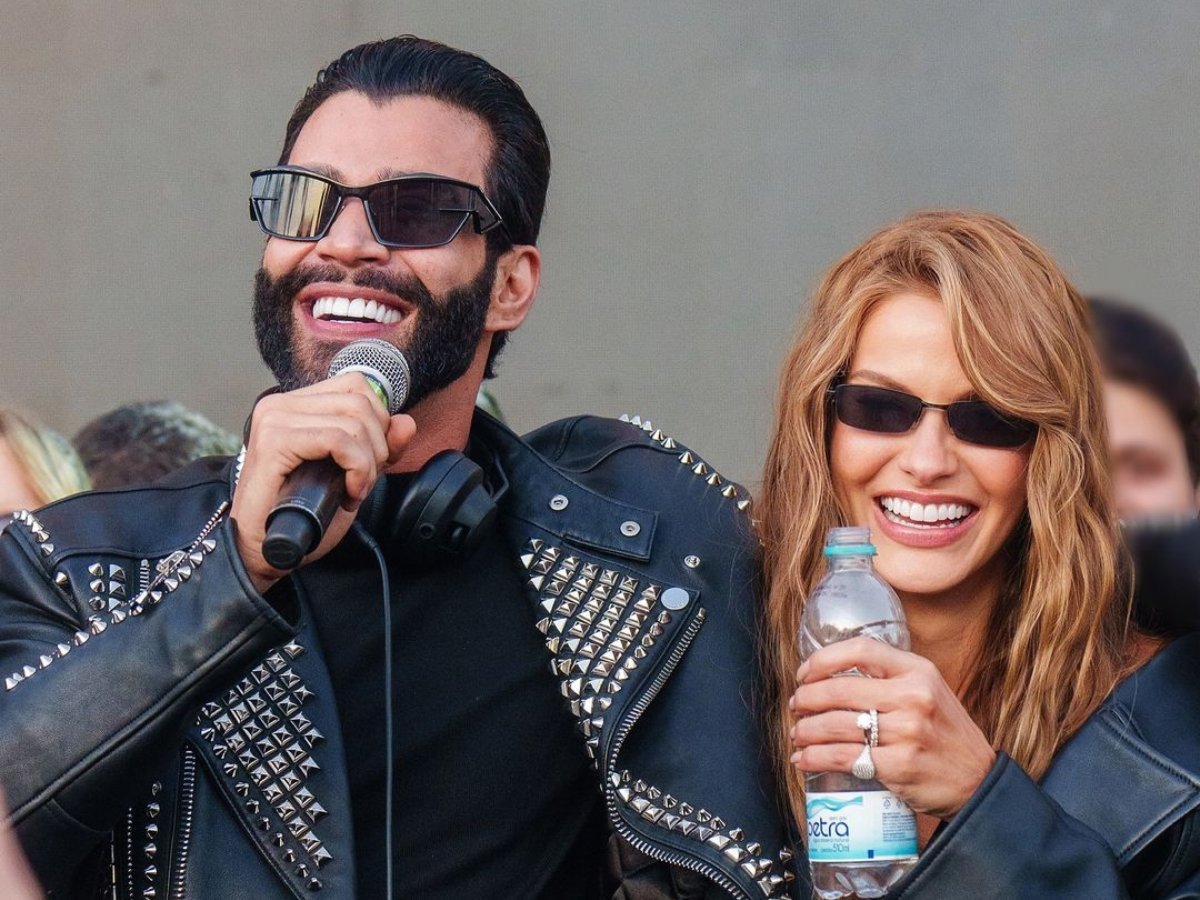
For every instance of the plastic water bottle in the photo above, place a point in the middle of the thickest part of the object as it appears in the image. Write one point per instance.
(862, 839)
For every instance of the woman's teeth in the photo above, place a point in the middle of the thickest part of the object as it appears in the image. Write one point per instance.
(358, 310)
(936, 515)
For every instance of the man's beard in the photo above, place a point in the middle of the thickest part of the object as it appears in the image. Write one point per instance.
(439, 350)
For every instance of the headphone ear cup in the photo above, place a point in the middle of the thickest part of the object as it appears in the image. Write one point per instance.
(445, 514)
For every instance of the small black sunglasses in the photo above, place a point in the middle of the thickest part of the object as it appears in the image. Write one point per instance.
(895, 412)
(408, 212)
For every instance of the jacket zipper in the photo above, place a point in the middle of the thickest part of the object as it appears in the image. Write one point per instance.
(187, 803)
(628, 834)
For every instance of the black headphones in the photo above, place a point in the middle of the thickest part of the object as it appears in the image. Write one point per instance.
(446, 511)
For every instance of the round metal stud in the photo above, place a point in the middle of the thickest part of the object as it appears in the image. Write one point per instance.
(559, 502)
(675, 598)
(692, 561)
(631, 528)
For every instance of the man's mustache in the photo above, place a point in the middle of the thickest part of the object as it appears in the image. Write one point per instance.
(408, 288)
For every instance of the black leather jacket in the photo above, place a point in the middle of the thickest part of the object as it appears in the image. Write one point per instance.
(156, 698)
(1116, 816)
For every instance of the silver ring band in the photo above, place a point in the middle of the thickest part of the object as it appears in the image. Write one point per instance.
(869, 723)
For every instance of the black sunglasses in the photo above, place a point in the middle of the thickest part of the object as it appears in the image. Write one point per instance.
(895, 412)
(408, 212)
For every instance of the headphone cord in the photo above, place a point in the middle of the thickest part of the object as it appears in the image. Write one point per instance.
(389, 755)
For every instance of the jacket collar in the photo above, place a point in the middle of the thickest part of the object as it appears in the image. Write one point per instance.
(555, 501)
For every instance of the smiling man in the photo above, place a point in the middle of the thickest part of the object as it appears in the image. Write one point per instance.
(513, 667)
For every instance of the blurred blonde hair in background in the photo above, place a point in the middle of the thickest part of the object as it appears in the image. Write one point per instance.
(50, 465)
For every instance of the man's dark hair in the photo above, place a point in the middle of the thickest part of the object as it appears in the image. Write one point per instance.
(142, 442)
(518, 172)
(1138, 349)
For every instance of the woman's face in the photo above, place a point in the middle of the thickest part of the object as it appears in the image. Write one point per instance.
(1149, 458)
(939, 509)
(15, 493)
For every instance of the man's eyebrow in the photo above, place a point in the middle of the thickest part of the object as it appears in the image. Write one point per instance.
(386, 174)
(328, 171)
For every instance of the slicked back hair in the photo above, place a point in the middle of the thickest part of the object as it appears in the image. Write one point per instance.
(518, 172)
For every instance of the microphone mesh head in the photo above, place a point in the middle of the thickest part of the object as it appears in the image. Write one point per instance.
(383, 363)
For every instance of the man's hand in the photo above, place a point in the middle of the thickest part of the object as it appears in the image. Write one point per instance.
(340, 418)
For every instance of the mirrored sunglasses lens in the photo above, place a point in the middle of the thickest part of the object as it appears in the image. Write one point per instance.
(978, 423)
(419, 212)
(876, 409)
(293, 205)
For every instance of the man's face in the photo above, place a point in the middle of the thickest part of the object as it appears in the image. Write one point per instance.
(312, 298)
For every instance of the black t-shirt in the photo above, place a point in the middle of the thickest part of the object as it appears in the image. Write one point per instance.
(493, 793)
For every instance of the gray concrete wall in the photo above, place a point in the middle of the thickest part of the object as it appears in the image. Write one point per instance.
(710, 160)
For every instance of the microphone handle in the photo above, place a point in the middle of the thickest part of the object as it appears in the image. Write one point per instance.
(310, 496)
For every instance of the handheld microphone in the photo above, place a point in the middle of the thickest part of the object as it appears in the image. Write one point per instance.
(313, 492)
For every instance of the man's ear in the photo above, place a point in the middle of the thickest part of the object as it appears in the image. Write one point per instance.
(518, 271)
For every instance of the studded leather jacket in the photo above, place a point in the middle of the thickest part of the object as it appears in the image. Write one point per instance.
(166, 732)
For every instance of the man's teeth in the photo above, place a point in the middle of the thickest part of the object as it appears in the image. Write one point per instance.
(939, 515)
(358, 308)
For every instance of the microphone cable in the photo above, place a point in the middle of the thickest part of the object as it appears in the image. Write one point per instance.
(389, 756)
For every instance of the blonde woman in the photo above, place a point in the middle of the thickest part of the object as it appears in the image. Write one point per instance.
(37, 465)
(944, 393)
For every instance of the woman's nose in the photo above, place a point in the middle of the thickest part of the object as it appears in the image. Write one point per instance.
(929, 448)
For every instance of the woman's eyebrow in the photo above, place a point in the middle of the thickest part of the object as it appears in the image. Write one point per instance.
(881, 380)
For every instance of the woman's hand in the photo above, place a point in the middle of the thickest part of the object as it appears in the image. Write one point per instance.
(930, 754)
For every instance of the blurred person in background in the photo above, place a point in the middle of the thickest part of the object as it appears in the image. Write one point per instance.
(16, 880)
(142, 442)
(37, 465)
(1152, 401)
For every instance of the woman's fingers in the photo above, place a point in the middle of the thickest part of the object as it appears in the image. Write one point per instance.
(830, 727)
(863, 654)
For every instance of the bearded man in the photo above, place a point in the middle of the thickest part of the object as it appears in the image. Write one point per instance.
(556, 701)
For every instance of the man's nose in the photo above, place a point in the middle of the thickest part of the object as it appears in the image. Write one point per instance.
(929, 452)
(350, 238)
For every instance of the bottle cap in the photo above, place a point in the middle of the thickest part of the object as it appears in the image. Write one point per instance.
(849, 541)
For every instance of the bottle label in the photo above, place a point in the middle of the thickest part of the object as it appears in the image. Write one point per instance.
(853, 826)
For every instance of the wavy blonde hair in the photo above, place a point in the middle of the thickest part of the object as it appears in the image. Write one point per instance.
(51, 466)
(1057, 642)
